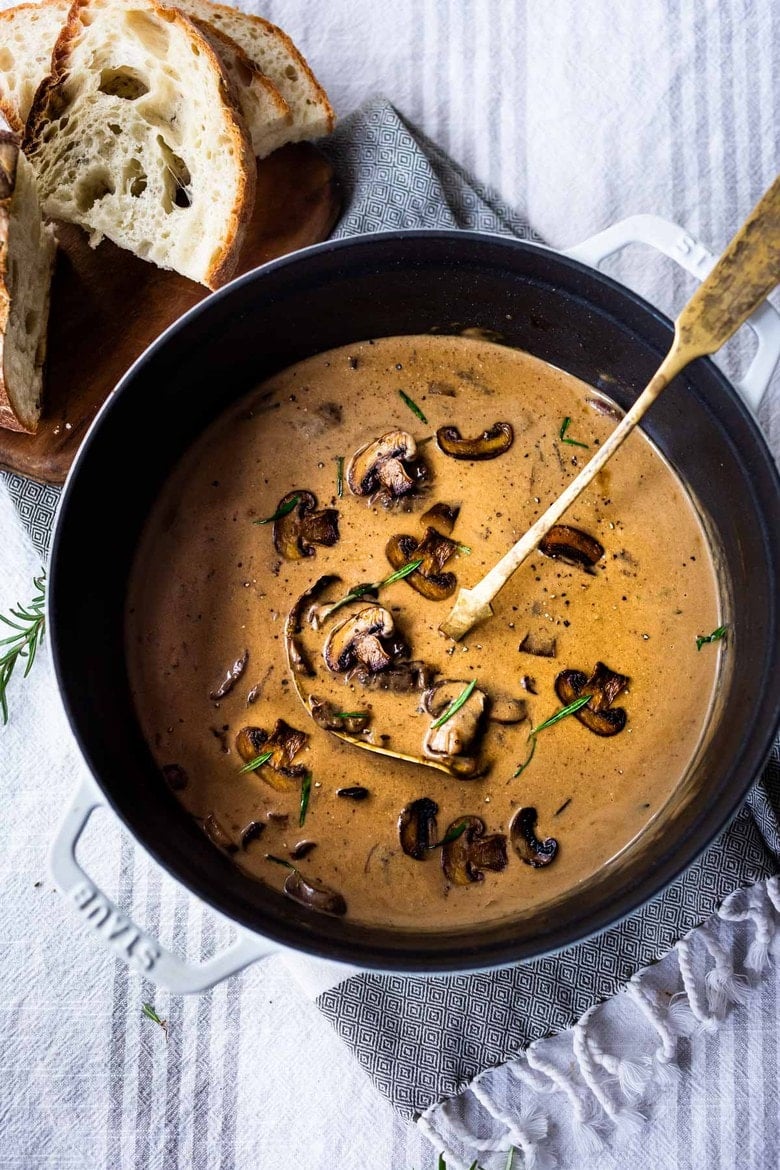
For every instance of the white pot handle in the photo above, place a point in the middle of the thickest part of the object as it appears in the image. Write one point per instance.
(676, 243)
(128, 941)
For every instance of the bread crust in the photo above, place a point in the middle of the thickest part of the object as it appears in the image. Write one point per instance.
(49, 94)
(9, 161)
(8, 109)
(274, 30)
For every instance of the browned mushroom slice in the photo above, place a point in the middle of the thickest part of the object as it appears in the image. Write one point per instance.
(314, 895)
(435, 550)
(299, 664)
(327, 716)
(526, 844)
(454, 740)
(565, 543)
(284, 743)
(385, 468)
(252, 832)
(359, 639)
(467, 855)
(298, 529)
(417, 828)
(233, 674)
(302, 849)
(491, 443)
(217, 835)
(442, 517)
(540, 645)
(599, 716)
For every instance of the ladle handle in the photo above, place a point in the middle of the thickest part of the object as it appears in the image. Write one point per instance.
(679, 245)
(128, 941)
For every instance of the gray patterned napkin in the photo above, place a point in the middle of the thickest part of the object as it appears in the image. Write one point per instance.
(421, 1039)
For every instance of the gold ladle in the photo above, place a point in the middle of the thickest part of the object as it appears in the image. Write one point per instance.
(743, 277)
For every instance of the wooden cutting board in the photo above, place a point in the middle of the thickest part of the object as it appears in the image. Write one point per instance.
(108, 306)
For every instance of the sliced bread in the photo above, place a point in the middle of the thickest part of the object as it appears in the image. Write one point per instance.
(27, 36)
(277, 57)
(27, 250)
(137, 135)
(267, 114)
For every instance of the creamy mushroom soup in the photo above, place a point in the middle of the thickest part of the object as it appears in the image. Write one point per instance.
(291, 677)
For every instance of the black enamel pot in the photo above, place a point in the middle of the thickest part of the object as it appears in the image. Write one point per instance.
(553, 306)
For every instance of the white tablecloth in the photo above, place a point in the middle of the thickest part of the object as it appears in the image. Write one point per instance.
(579, 114)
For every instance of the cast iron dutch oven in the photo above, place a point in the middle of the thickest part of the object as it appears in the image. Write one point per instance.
(553, 306)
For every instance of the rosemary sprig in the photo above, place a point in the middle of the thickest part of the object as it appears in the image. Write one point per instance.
(28, 623)
(305, 796)
(359, 591)
(455, 705)
(281, 511)
(350, 715)
(413, 407)
(715, 636)
(452, 834)
(464, 549)
(281, 861)
(339, 476)
(148, 1011)
(257, 762)
(570, 709)
(562, 434)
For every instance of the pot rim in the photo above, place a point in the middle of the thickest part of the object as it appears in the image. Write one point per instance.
(457, 959)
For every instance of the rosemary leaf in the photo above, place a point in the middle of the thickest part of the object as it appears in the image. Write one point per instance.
(528, 758)
(455, 705)
(282, 511)
(413, 407)
(351, 715)
(148, 1011)
(562, 434)
(464, 549)
(715, 636)
(562, 714)
(29, 623)
(399, 574)
(279, 861)
(358, 591)
(452, 834)
(305, 796)
(257, 762)
(339, 476)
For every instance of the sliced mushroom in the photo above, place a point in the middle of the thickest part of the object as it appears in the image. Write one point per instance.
(599, 716)
(435, 550)
(252, 832)
(299, 529)
(540, 645)
(453, 740)
(327, 716)
(490, 444)
(417, 828)
(385, 468)
(565, 543)
(358, 639)
(507, 709)
(217, 835)
(314, 895)
(400, 678)
(302, 849)
(299, 664)
(442, 517)
(284, 743)
(526, 844)
(464, 858)
(233, 674)
(528, 683)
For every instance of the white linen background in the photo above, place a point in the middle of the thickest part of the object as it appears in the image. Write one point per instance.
(565, 108)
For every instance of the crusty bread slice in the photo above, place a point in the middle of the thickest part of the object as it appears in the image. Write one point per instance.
(27, 250)
(137, 135)
(27, 36)
(277, 57)
(267, 114)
